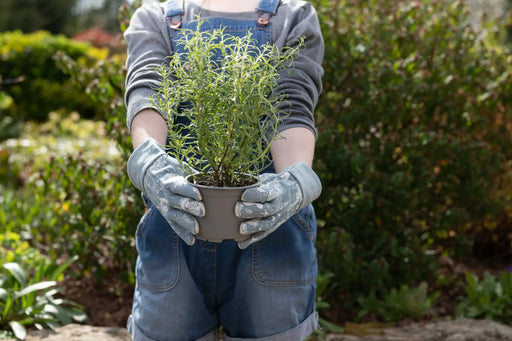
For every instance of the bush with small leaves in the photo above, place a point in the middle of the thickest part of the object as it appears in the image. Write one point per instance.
(414, 129)
(397, 304)
(487, 298)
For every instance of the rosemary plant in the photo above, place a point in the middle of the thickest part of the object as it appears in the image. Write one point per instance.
(222, 111)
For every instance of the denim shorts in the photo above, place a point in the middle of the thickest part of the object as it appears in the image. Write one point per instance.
(265, 292)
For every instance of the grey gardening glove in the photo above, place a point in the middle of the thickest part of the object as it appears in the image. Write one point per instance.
(162, 179)
(279, 197)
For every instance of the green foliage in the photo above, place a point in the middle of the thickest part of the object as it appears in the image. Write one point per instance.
(489, 298)
(85, 204)
(324, 284)
(44, 87)
(5, 101)
(28, 286)
(508, 26)
(406, 302)
(414, 126)
(33, 15)
(16, 249)
(230, 115)
(74, 198)
(62, 134)
(103, 82)
(8, 127)
(10, 172)
(85, 208)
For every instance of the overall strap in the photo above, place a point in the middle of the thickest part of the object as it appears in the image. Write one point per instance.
(174, 10)
(266, 9)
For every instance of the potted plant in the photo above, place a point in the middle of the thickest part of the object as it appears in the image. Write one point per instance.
(222, 117)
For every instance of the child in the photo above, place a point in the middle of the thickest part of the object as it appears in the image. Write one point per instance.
(262, 288)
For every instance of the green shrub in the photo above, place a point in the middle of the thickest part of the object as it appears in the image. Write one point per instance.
(103, 82)
(76, 206)
(488, 298)
(71, 193)
(88, 210)
(62, 134)
(492, 239)
(508, 8)
(44, 87)
(28, 289)
(8, 127)
(323, 286)
(414, 125)
(406, 302)
(16, 249)
(81, 203)
(10, 173)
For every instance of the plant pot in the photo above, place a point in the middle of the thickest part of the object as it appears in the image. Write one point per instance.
(220, 222)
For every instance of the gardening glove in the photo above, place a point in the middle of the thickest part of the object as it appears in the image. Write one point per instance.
(162, 179)
(279, 197)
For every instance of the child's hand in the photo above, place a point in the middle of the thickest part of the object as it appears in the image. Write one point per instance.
(279, 197)
(162, 179)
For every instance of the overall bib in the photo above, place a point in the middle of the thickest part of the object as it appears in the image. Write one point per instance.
(265, 292)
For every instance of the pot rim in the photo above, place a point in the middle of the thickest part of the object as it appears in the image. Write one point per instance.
(224, 187)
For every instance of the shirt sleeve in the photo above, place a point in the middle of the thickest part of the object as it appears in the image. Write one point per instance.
(303, 85)
(148, 46)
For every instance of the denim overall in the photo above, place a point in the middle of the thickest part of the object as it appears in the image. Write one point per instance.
(265, 292)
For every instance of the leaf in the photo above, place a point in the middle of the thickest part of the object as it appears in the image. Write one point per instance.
(17, 272)
(59, 312)
(52, 309)
(322, 304)
(330, 327)
(35, 287)
(19, 331)
(55, 275)
(3, 294)
(75, 314)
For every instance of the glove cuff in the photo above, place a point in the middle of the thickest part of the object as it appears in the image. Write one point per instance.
(141, 159)
(308, 181)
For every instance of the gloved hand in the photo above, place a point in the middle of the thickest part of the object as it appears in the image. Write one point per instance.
(162, 179)
(279, 197)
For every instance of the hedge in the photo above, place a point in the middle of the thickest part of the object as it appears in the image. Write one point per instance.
(414, 141)
(42, 87)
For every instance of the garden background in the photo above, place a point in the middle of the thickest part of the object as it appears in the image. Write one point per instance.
(414, 152)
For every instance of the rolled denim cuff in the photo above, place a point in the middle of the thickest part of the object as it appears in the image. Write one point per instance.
(309, 182)
(141, 159)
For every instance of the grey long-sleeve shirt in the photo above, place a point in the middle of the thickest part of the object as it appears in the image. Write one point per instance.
(149, 45)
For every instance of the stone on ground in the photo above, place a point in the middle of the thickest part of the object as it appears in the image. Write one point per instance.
(457, 330)
(74, 332)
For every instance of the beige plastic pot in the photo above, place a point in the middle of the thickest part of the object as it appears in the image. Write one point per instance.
(220, 222)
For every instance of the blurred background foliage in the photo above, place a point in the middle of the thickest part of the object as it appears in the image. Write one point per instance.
(37, 85)
(33, 15)
(414, 152)
(66, 17)
(414, 143)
